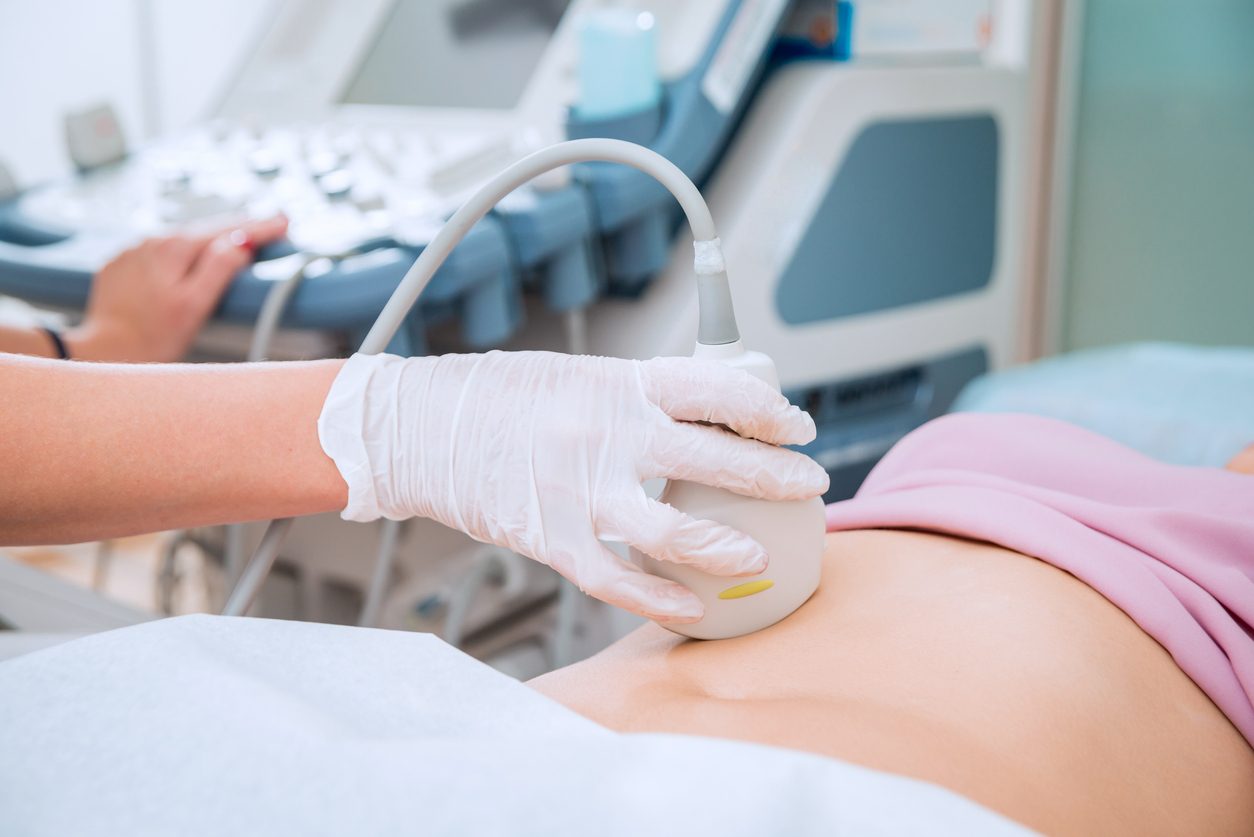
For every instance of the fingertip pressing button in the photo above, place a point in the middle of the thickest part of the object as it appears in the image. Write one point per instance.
(243, 240)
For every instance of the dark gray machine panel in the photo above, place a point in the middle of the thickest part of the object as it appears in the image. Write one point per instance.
(859, 419)
(910, 216)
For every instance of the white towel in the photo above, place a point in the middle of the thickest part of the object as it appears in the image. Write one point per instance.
(211, 725)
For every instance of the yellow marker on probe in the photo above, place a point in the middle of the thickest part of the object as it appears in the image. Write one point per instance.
(749, 588)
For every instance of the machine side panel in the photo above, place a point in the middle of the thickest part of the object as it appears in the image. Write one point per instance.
(910, 216)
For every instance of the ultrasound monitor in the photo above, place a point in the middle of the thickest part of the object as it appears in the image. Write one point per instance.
(454, 53)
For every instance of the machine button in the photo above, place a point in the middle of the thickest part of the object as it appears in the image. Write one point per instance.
(174, 181)
(336, 185)
(264, 164)
(322, 163)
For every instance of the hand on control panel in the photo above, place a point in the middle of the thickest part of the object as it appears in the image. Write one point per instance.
(149, 302)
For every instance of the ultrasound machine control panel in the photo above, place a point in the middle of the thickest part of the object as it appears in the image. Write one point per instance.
(367, 122)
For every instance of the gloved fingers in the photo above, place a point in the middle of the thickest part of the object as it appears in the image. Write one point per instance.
(713, 456)
(688, 389)
(667, 534)
(621, 584)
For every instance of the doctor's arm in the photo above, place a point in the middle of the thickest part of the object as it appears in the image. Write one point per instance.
(93, 451)
(541, 453)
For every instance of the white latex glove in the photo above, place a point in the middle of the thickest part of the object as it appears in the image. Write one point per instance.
(544, 454)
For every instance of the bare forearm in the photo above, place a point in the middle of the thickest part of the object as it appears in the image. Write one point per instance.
(90, 451)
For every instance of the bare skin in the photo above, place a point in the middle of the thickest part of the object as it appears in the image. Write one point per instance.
(960, 663)
(95, 451)
(1243, 462)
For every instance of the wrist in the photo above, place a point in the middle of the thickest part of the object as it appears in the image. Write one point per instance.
(341, 434)
(93, 340)
(358, 431)
(59, 348)
(32, 341)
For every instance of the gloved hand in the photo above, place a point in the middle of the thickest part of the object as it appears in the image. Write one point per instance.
(544, 454)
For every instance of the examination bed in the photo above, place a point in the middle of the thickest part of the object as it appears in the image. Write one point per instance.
(1187, 405)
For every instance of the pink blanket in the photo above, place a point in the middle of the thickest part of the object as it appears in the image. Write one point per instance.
(1173, 547)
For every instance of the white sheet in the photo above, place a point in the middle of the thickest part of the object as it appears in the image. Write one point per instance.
(210, 725)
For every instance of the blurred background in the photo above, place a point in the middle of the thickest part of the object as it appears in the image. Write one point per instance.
(1159, 192)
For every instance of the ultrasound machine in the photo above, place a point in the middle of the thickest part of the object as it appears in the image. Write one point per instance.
(875, 210)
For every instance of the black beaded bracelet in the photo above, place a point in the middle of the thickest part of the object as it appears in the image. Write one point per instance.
(58, 342)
